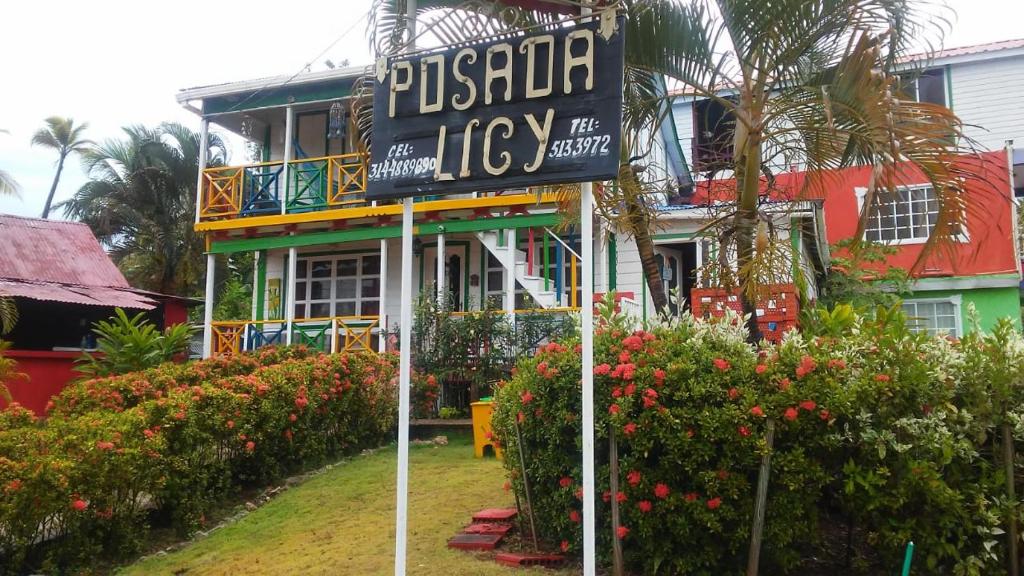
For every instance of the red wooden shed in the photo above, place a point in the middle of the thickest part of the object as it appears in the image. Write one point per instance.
(62, 282)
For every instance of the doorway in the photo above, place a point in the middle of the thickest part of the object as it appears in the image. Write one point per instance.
(455, 263)
(679, 262)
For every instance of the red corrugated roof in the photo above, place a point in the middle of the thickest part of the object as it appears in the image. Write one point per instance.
(88, 295)
(981, 48)
(967, 50)
(37, 250)
(61, 261)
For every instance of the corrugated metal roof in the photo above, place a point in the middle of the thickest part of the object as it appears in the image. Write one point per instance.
(88, 295)
(60, 261)
(35, 250)
(977, 49)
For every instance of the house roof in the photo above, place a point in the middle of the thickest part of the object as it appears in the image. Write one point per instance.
(61, 261)
(971, 50)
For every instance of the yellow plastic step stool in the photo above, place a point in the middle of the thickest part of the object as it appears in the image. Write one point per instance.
(482, 412)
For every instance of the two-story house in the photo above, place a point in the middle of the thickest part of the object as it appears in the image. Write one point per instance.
(982, 85)
(328, 261)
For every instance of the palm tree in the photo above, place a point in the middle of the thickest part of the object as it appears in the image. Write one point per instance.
(140, 202)
(8, 185)
(62, 135)
(8, 310)
(813, 81)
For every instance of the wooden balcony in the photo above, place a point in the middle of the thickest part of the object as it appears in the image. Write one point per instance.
(265, 188)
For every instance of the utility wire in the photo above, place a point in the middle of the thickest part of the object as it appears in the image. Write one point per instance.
(300, 70)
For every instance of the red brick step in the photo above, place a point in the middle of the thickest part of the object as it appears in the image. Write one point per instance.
(488, 528)
(495, 515)
(475, 541)
(516, 559)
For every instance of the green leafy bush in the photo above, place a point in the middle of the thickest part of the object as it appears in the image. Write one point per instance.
(877, 428)
(180, 438)
(132, 344)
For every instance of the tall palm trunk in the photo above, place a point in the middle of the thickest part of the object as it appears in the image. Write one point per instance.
(748, 169)
(53, 187)
(640, 229)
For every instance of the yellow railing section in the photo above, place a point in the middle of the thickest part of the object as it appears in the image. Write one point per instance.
(222, 192)
(348, 171)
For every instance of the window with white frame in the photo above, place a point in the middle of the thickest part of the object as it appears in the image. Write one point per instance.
(934, 315)
(903, 215)
(337, 286)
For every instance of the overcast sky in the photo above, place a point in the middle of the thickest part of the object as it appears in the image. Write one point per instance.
(113, 64)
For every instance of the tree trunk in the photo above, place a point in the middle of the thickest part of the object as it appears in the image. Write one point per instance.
(748, 171)
(53, 187)
(640, 230)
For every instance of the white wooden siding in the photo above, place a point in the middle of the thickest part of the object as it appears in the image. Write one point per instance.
(988, 95)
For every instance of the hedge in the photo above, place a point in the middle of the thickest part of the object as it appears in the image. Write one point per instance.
(881, 433)
(164, 445)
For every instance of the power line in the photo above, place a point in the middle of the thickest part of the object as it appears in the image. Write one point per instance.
(300, 70)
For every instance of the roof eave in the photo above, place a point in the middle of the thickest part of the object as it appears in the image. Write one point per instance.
(188, 95)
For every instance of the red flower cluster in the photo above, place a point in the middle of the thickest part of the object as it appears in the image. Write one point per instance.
(714, 503)
(807, 365)
(633, 342)
(633, 477)
(661, 491)
(565, 482)
(659, 377)
(644, 506)
(722, 365)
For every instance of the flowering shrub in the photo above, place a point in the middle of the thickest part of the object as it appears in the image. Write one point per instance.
(876, 427)
(110, 446)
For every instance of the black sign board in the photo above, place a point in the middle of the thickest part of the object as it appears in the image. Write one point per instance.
(542, 107)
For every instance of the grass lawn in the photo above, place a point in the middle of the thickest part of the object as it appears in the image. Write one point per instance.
(342, 522)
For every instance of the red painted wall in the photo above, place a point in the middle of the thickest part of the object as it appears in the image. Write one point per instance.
(175, 312)
(48, 373)
(990, 249)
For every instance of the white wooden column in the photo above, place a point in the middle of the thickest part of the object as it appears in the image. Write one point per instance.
(289, 313)
(439, 275)
(382, 340)
(204, 158)
(211, 267)
(510, 275)
(289, 123)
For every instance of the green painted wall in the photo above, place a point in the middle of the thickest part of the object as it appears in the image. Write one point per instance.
(991, 304)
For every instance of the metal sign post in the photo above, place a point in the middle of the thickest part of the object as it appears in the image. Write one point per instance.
(405, 360)
(587, 367)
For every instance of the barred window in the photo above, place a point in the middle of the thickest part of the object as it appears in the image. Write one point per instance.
(933, 316)
(905, 214)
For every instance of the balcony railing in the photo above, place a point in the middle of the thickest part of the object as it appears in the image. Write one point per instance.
(337, 334)
(257, 189)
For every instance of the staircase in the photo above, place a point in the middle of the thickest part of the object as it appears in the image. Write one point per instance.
(534, 285)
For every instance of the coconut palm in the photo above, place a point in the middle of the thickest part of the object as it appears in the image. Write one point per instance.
(61, 135)
(810, 81)
(8, 185)
(140, 202)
